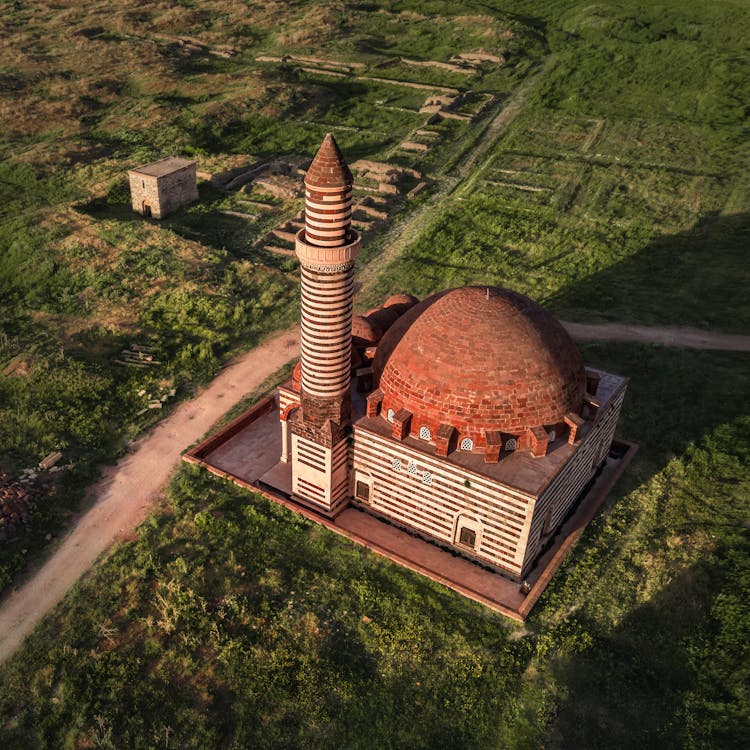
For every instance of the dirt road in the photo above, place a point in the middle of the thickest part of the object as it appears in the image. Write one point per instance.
(127, 492)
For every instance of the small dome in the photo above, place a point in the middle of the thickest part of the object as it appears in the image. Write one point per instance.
(409, 300)
(480, 359)
(383, 317)
(364, 330)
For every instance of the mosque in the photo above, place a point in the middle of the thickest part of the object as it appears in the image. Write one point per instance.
(468, 419)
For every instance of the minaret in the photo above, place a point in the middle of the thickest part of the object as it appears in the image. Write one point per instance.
(327, 248)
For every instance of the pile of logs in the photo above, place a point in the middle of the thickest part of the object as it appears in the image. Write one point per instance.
(16, 504)
(137, 356)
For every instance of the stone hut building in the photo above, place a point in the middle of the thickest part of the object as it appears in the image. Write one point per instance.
(159, 188)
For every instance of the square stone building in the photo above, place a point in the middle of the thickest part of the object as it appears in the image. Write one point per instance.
(468, 419)
(159, 188)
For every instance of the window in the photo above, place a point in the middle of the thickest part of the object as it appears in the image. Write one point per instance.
(467, 537)
(510, 445)
(427, 478)
(391, 415)
(595, 461)
(362, 491)
(412, 467)
(424, 433)
(467, 444)
(547, 522)
(467, 531)
(396, 463)
(552, 436)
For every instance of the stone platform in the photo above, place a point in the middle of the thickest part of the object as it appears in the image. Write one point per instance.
(247, 452)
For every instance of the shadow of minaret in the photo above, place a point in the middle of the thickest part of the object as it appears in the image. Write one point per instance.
(695, 278)
(662, 677)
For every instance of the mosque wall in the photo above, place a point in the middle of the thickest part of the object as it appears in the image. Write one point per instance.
(556, 499)
(438, 499)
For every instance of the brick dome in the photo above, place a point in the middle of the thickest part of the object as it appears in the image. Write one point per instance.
(407, 300)
(479, 360)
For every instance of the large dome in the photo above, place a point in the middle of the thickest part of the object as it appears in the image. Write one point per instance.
(479, 359)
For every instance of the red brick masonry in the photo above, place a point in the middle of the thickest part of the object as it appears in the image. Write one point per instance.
(480, 359)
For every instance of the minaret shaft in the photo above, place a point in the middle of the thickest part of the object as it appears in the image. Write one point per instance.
(327, 248)
(326, 332)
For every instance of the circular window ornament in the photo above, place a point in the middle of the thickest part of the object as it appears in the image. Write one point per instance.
(510, 445)
(391, 415)
(424, 433)
(467, 444)
(396, 463)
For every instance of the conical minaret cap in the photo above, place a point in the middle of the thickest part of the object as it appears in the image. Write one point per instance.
(328, 168)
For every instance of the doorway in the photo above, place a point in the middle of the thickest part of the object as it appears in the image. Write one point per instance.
(146, 209)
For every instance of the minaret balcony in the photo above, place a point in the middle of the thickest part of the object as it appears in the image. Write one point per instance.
(314, 256)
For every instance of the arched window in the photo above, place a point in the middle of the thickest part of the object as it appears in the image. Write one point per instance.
(467, 537)
(427, 478)
(391, 415)
(396, 463)
(424, 433)
(510, 445)
(467, 444)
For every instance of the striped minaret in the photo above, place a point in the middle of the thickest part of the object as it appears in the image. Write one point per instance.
(327, 248)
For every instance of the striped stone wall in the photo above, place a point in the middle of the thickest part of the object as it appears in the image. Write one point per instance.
(320, 475)
(564, 488)
(328, 215)
(287, 397)
(326, 331)
(430, 495)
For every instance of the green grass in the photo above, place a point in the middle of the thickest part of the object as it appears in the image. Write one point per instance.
(636, 139)
(231, 622)
(588, 270)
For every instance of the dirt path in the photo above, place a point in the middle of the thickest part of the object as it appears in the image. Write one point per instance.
(511, 109)
(691, 338)
(127, 492)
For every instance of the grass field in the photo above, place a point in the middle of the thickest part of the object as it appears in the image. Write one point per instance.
(626, 174)
(619, 193)
(230, 622)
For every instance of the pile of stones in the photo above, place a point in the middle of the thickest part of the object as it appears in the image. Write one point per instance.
(16, 505)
